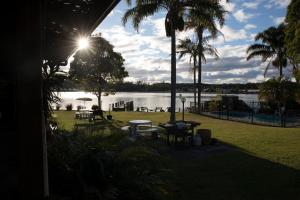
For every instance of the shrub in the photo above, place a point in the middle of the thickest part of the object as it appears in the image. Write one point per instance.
(95, 107)
(69, 107)
(99, 167)
(213, 105)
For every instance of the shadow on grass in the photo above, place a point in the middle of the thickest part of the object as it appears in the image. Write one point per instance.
(97, 127)
(220, 173)
(231, 174)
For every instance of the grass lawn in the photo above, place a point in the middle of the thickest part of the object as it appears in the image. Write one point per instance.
(260, 162)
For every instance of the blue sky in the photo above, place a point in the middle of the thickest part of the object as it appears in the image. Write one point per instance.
(147, 53)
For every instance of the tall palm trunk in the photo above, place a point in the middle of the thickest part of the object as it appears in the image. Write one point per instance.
(195, 88)
(280, 64)
(173, 73)
(280, 69)
(99, 98)
(200, 38)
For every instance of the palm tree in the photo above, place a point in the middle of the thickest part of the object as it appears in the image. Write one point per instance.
(188, 47)
(201, 18)
(272, 49)
(173, 21)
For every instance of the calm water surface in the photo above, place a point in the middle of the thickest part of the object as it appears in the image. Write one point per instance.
(145, 99)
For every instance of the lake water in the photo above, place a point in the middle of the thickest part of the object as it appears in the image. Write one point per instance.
(140, 99)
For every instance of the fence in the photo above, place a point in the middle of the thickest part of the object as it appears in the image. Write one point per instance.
(252, 112)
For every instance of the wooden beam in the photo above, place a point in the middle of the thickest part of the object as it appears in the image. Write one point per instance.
(33, 175)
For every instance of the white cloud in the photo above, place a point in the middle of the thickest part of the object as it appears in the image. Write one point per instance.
(241, 16)
(250, 5)
(228, 6)
(147, 53)
(232, 34)
(277, 20)
(233, 51)
(277, 4)
(250, 26)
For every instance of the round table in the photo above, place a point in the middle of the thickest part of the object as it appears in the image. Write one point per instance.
(135, 123)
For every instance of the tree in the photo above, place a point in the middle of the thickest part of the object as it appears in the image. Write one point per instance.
(203, 16)
(97, 67)
(279, 91)
(173, 21)
(188, 47)
(272, 49)
(292, 31)
(52, 80)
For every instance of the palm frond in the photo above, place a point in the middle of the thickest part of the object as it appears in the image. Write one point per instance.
(267, 68)
(140, 12)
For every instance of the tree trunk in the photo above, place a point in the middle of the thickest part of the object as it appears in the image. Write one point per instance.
(195, 89)
(200, 35)
(280, 70)
(173, 74)
(99, 98)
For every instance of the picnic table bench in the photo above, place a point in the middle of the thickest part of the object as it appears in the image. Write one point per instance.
(180, 129)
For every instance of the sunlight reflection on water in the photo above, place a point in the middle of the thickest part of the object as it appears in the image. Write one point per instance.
(145, 99)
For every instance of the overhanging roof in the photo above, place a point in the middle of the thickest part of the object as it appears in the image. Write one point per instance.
(67, 20)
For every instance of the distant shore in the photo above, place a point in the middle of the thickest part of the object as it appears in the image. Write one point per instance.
(204, 92)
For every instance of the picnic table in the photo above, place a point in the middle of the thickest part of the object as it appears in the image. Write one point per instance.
(135, 123)
(180, 129)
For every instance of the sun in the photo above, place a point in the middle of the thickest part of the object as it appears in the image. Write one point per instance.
(83, 43)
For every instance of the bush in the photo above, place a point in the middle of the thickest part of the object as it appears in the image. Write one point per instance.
(57, 107)
(213, 105)
(69, 107)
(95, 107)
(89, 166)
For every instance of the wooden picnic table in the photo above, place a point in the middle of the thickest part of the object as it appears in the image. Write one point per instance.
(178, 130)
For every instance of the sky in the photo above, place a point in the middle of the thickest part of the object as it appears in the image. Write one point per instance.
(147, 52)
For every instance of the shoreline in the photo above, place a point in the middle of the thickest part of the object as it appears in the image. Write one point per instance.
(164, 92)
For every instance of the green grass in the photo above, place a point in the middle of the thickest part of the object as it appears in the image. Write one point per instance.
(261, 163)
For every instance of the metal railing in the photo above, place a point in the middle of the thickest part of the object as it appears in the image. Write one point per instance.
(251, 112)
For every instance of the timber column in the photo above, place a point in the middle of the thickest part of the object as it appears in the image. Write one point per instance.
(33, 173)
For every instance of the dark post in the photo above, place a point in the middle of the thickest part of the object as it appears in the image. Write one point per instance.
(183, 99)
(252, 113)
(183, 111)
(227, 109)
(219, 109)
(33, 173)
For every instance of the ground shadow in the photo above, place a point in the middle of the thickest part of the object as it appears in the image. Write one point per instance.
(229, 173)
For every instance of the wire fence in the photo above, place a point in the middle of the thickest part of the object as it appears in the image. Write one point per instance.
(251, 112)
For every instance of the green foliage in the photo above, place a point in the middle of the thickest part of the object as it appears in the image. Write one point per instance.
(205, 15)
(143, 9)
(95, 107)
(279, 91)
(89, 166)
(98, 67)
(52, 80)
(272, 49)
(292, 31)
(213, 105)
(69, 107)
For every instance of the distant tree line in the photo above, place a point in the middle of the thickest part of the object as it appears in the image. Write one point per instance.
(166, 87)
